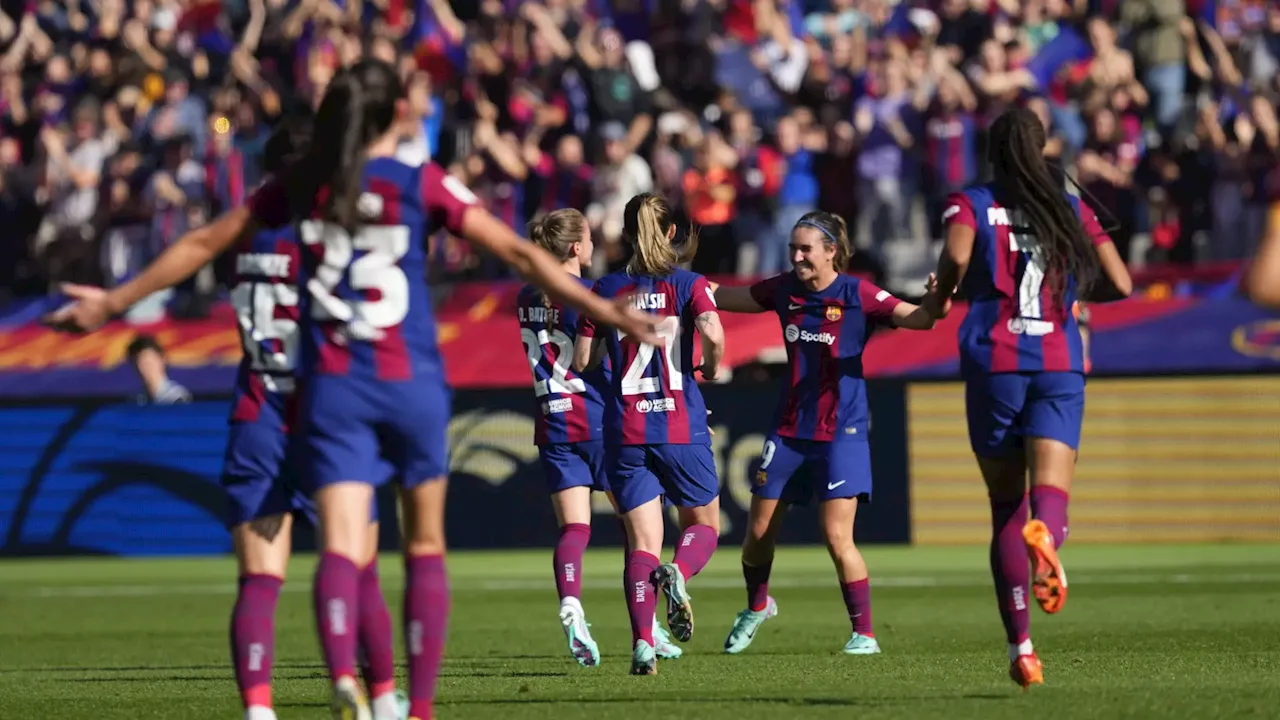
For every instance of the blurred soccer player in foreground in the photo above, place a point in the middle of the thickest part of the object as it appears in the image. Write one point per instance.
(819, 443)
(1022, 250)
(657, 442)
(374, 385)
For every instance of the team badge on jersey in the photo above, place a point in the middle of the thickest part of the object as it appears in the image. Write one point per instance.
(762, 477)
(834, 313)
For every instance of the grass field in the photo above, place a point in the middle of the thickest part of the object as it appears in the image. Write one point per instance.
(1149, 632)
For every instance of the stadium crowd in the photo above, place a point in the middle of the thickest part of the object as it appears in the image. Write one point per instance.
(127, 122)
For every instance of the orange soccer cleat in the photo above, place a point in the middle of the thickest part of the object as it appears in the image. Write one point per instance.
(1049, 579)
(1027, 671)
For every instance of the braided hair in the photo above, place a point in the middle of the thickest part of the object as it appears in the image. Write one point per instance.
(1016, 147)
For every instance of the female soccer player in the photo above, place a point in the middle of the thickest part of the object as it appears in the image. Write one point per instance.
(819, 443)
(374, 386)
(1021, 250)
(568, 429)
(655, 424)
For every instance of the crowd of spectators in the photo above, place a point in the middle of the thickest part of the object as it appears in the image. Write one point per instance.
(127, 122)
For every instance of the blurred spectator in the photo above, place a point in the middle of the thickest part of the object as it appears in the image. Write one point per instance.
(148, 360)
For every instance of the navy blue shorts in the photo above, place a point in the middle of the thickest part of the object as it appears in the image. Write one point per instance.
(794, 471)
(351, 430)
(1005, 408)
(683, 474)
(570, 465)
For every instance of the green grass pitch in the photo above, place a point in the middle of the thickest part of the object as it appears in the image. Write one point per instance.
(1148, 632)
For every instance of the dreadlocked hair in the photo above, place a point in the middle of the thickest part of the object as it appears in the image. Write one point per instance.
(557, 232)
(1016, 152)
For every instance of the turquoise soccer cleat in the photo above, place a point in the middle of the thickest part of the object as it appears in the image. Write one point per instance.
(745, 627)
(670, 580)
(861, 645)
(644, 661)
(578, 634)
(662, 644)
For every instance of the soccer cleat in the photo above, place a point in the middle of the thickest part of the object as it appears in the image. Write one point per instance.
(1049, 582)
(644, 661)
(391, 706)
(862, 645)
(745, 627)
(1027, 671)
(258, 712)
(349, 702)
(662, 644)
(577, 632)
(670, 580)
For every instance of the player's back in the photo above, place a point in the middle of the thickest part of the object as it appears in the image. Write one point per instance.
(655, 396)
(370, 313)
(1015, 322)
(571, 405)
(268, 311)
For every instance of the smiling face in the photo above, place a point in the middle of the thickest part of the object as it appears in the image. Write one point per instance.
(811, 255)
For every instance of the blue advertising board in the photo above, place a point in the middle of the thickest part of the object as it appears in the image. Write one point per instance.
(122, 479)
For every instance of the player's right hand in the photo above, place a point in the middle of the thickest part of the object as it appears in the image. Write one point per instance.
(87, 311)
(639, 325)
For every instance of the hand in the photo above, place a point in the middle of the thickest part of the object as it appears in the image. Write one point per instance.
(709, 428)
(930, 303)
(88, 310)
(640, 326)
(710, 374)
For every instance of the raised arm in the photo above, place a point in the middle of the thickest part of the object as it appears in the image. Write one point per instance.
(92, 307)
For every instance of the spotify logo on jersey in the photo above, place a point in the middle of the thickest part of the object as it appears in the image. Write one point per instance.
(792, 333)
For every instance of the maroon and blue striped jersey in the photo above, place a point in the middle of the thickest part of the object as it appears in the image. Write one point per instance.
(265, 298)
(1014, 323)
(654, 398)
(826, 332)
(369, 314)
(570, 405)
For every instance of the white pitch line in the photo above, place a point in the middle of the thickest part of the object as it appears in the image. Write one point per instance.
(898, 581)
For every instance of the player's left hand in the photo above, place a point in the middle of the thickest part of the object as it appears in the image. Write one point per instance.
(709, 428)
(930, 302)
(86, 312)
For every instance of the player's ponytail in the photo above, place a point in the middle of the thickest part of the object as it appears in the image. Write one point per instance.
(358, 107)
(647, 227)
(1016, 152)
(557, 232)
(289, 141)
(835, 234)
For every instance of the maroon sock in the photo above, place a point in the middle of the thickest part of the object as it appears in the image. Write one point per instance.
(567, 560)
(857, 600)
(642, 597)
(426, 618)
(1049, 505)
(336, 598)
(757, 577)
(376, 635)
(1010, 567)
(694, 551)
(253, 637)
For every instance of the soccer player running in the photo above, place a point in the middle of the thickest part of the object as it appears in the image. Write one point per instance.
(819, 441)
(374, 384)
(568, 429)
(656, 436)
(1022, 250)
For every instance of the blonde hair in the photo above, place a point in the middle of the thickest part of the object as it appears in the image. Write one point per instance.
(835, 233)
(557, 232)
(646, 227)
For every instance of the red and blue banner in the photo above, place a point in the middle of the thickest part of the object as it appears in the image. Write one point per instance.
(1207, 333)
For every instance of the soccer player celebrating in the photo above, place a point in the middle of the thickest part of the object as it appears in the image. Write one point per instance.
(819, 442)
(1022, 250)
(373, 381)
(655, 424)
(569, 427)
